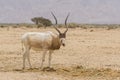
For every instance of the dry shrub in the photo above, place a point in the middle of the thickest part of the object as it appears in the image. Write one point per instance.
(73, 25)
(111, 27)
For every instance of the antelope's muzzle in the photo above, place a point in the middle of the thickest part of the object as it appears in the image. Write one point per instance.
(63, 44)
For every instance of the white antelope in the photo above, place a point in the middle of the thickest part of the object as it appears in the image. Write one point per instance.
(45, 41)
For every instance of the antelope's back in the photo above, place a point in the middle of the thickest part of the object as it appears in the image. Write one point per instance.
(38, 40)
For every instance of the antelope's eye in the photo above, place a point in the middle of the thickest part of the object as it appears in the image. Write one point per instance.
(61, 41)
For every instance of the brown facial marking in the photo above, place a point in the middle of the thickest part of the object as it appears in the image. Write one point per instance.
(62, 35)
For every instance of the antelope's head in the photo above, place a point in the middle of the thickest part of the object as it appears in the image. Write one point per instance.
(62, 36)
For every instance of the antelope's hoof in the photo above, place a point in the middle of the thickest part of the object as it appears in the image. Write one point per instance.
(23, 68)
(48, 69)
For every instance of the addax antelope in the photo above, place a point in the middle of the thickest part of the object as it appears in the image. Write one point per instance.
(45, 41)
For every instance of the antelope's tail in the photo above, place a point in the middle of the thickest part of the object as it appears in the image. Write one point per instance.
(22, 46)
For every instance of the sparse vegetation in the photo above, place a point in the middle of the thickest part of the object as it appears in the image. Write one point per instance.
(70, 25)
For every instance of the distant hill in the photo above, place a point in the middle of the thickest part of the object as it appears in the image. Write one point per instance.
(82, 11)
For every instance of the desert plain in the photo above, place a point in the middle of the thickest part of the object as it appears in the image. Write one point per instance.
(89, 54)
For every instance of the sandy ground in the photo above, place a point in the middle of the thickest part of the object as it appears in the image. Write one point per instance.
(87, 56)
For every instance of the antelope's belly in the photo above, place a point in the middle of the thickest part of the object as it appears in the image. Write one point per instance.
(37, 49)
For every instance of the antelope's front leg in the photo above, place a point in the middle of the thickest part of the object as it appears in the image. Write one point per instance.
(43, 58)
(50, 57)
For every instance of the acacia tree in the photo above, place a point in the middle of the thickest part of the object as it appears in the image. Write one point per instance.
(40, 20)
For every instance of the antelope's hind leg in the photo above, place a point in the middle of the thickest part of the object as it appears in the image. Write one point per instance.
(26, 54)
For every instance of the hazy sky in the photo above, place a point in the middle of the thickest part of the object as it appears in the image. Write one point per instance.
(82, 11)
